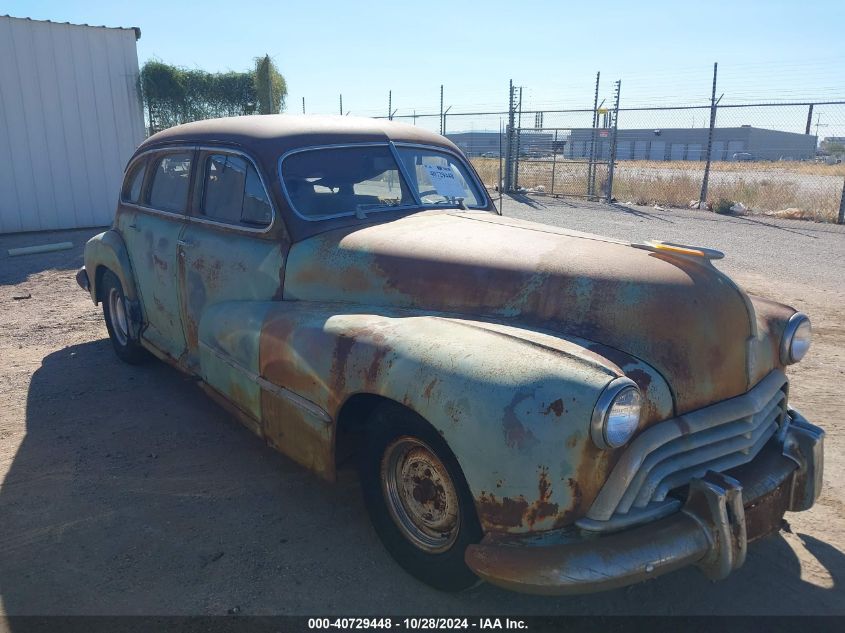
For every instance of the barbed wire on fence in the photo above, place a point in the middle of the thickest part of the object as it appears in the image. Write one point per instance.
(782, 155)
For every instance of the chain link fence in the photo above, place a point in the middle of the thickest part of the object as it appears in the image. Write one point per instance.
(782, 159)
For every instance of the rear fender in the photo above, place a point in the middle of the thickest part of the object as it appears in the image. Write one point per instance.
(107, 250)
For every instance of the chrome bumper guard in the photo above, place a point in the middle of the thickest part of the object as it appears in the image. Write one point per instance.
(721, 515)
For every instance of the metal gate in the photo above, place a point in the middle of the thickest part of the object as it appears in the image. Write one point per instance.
(575, 160)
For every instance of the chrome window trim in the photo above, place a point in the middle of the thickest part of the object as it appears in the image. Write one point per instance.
(170, 149)
(175, 148)
(240, 227)
(132, 164)
(403, 174)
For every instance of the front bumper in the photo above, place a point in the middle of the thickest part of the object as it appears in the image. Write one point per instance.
(82, 279)
(723, 512)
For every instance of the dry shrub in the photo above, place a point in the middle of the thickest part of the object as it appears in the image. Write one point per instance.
(675, 183)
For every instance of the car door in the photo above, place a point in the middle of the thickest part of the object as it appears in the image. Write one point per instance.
(151, 225)
(228, 253)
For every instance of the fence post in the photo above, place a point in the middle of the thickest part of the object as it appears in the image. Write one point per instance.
(518, 134)
(554, 162)
(508, 185)
(841, 218)
(591, 165)
(612, 165)
(441, 108)
(702, 198)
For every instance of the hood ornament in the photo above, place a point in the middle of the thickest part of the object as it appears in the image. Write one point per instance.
(683, 250)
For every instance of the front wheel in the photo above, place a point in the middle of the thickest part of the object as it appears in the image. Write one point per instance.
(418, 499)
(116, 314)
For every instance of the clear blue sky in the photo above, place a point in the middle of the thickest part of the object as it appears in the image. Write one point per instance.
(662, 51)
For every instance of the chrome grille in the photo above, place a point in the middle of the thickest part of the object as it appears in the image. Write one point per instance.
(669, 454)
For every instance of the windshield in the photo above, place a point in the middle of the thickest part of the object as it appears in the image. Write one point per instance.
(332, 182)
(438, 177)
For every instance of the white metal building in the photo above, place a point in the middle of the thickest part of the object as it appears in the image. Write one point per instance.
(70, 117)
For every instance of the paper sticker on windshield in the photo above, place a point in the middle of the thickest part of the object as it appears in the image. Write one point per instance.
(445, 182)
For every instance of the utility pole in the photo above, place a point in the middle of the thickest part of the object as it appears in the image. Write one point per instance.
(702, 198)
(809, 120)
(818, 125)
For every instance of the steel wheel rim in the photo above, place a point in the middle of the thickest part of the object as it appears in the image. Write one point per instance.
(117, 310)
(420, 495)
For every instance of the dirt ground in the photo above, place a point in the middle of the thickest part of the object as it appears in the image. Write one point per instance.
(125, 491)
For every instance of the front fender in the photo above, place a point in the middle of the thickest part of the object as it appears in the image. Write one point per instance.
(108, 250)
(515, 412)
(513, 405)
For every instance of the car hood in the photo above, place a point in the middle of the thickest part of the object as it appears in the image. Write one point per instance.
(678, 314)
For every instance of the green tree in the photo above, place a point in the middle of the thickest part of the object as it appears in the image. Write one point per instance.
(174, 95)
(270, 86)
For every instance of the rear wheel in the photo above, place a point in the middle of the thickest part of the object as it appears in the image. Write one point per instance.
(418, 499)
(116, 314)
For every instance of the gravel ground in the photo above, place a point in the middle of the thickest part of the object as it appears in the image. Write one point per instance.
(126, 491)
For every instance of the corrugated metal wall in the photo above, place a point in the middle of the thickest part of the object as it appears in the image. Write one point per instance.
(70, 117)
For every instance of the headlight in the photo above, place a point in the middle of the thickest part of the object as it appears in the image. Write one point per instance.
(617, 414)
(796, 339)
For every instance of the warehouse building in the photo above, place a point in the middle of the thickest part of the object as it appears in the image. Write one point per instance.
(70, 118)
(729, 143)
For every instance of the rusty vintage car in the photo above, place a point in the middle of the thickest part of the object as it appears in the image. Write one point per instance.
(547, 410)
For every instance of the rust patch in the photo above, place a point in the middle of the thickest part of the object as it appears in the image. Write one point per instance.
(571, 441)
(574, 511)
(455, 409)
(371, 375)
(542, 508)
(556, 407)
(429, 387)
(342, 350)
(504, 513)
(640, 377)
(159, 263)
(285, 430)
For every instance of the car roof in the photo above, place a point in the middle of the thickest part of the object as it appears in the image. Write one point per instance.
(267, 137)
(271, 135)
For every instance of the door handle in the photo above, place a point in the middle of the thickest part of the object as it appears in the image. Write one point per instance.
(184, 243)
(134, 227)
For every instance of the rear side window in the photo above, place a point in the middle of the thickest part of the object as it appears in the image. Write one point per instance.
(233, 192)
(171, 182)
(131, 191)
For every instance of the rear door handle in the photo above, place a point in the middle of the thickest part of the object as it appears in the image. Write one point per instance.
(185, 243)
(134, 227)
